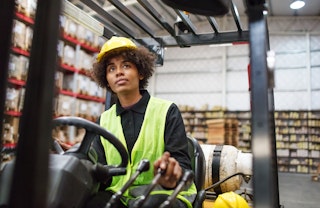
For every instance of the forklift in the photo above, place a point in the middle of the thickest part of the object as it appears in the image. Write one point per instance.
(30, 173)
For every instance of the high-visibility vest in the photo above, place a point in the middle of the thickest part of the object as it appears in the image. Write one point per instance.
(149, 145)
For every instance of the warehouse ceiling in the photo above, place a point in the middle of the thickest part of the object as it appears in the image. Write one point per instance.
(276, 7)
(281, 8)
(151, 22)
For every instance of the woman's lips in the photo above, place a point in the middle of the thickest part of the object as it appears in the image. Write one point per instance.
(121, 81)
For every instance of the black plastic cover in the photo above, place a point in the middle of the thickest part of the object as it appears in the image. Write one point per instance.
(201, 7)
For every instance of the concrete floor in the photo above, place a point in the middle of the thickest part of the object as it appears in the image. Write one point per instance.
(295, 191)
(298, 191)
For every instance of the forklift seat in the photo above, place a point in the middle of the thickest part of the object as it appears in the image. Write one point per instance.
(198, 164)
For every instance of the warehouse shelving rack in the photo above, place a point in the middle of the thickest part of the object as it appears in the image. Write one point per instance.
(32, 151)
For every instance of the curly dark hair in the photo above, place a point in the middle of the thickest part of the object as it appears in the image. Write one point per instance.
(141, 57)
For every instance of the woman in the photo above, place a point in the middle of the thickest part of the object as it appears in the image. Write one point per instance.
(150, 128)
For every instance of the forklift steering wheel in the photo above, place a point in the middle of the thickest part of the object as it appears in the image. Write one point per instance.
(87, 140)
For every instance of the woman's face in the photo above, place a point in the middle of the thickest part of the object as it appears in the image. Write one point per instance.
(122, 76)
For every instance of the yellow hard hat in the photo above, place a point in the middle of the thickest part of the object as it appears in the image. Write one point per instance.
(113, 43)
(230, 200)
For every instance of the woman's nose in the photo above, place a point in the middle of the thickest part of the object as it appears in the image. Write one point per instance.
(119, 70)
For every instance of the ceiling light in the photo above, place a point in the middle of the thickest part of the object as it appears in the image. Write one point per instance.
(297, 4)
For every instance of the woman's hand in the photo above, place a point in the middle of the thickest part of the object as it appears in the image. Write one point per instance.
(172, 170)
(63, 145)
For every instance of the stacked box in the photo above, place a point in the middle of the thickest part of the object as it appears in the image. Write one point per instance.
(59, 79)
(69, 54)
(12, 99)
(89, 110)
(70, 27)
(68, 82)
(18, 67)
(82, 83)
(64, 105)
(223, 131)
(26, 7)
(19, 34)
(85, 60)
(82, 108)
(84, 35)
(10, 130)
(28, 38)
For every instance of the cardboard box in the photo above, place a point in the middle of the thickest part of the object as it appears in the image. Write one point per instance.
(223, 131)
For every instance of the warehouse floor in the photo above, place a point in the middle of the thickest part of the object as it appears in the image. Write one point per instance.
(295, 191)
(298, 190)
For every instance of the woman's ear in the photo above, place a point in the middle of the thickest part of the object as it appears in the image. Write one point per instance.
(141, 77)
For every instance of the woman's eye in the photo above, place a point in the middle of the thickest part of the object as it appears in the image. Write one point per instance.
(110, 69)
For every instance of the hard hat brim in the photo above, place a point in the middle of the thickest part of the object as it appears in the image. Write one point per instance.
(115, 43)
